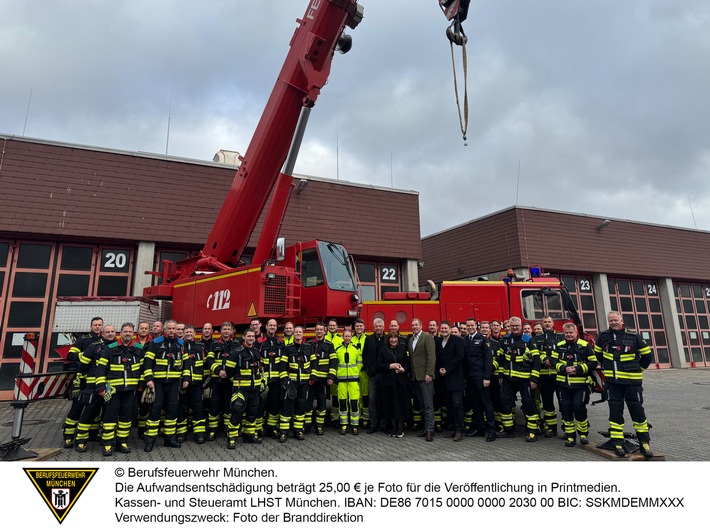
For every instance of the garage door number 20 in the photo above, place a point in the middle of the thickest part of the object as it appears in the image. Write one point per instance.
(115, 260)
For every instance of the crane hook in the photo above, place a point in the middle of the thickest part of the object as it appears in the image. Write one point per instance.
(456, 34)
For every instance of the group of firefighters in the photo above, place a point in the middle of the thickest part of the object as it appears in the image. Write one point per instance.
(259, 384)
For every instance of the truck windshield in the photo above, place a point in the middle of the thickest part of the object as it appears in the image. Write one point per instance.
(542, 302)
(338, 273)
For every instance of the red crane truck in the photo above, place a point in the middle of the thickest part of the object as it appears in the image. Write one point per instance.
(310, 280)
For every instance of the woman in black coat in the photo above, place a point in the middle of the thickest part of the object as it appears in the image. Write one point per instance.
(393, 366)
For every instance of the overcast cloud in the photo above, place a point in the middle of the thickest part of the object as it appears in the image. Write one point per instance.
(603, 105)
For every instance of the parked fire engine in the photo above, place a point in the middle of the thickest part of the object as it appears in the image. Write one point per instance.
(531, 299)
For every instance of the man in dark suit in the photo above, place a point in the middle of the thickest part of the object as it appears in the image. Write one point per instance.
(478, 372)
(373, 343)
(449, 367)
(422, 352)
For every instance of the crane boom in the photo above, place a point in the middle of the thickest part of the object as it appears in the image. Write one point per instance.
(303, 75)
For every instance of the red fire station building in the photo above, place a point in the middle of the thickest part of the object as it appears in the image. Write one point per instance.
(658, 277)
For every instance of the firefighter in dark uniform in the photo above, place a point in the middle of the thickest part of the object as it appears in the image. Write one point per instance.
(624, 355)
(72, 364)
(207, 340)
(220, 386)
(494, 345)
(322, 377)
(574, 361)
(271, 348)
(118, 373)
(163, 364)
(190, 401)
(546, 343)
(295, 374)
(519, 365)
(478, 370)
(143, 336)
(244, 371)
(90, 397)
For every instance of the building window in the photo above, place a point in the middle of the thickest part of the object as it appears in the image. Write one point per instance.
(73, 285)
(115, 260)
(111, 285)
(692, 303)
(581, 291)
(8, 372)
(12, 346)
(29, 284)
(4, 253)
(377, 278)
(77, 258)
(25, 314)
(639, 303)
(114, 272)
(366, 272)
(36, 256)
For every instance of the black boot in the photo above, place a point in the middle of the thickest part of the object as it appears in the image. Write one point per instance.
(149, 444)
(171, 441)
(252, 438)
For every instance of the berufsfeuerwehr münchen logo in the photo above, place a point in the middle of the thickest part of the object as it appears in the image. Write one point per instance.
(60, 488)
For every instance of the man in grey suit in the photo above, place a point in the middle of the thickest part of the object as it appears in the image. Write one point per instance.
(422, 352)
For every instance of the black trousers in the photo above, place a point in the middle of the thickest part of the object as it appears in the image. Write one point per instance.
(317, 392)
(494, 391)
(632, 395)
(296, 405)
(548, 391)
(454, 404)
(271, 405)
(92, 403)
(480, 398)
(118, 416)
(509, 389)
(166, 399)
(191, 401)
(244, 421)
(72, 418)
(220, 403)
(573, 405)
(373, 390)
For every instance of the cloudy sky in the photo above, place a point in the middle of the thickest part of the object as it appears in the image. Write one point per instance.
(598, 107)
